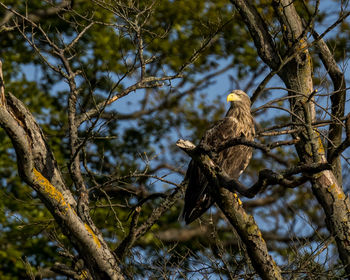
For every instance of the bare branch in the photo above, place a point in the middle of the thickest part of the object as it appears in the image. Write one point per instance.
(168, 202)
(78, 37)
(149, 82)
(266, 177)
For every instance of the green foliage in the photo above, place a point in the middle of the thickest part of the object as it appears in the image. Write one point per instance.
(123, 143)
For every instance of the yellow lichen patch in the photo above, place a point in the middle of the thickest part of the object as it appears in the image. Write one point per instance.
(303, 43)
(252, 229)
(239, 201)
(88, 228)
(48, 189)
(309, 60)
(341, 196)
(320, 146)
(318, 175)
(332, 186)
(302, 46)
(83, 275)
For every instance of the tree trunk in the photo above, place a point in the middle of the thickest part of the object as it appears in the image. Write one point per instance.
(295, 69)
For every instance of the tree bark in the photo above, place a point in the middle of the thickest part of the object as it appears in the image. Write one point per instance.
(249, 233)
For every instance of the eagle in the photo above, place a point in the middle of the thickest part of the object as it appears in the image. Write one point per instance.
(238, 122)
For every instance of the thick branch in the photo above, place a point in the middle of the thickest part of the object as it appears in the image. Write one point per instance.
(259, 32)
(266, 177)
(231, 206)
(338, 103)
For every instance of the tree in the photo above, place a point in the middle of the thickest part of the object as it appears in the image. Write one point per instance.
(99, 184)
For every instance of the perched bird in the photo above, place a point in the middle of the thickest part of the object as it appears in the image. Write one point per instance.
(238, 122)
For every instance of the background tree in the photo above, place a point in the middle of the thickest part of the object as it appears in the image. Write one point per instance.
(94, 96)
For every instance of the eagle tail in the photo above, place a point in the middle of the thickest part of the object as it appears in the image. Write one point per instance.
(197, 197)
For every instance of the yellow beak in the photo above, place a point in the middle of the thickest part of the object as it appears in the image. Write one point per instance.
(233, 97)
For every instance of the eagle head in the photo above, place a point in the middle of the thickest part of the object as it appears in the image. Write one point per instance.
(237, 95)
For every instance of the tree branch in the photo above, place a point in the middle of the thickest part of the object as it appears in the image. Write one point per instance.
(338, 104)
(259, 32)
(231, 206)
(168, 202)
(266, 177)
(337, 151)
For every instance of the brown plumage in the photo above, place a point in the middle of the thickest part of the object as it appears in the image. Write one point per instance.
(237, 122)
